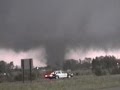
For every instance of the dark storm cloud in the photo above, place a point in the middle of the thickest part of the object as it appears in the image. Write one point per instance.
(56, 24)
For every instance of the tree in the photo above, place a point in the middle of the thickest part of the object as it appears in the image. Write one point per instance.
(103, 65)
(3, 66)
(6, 67)
(70, 64)
(10, 65)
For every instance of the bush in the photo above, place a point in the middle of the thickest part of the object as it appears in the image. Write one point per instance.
(99, 72)
(19, 77)
(33, 76)
(115, 71)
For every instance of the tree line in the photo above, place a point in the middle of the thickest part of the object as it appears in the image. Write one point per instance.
(99, 66)
(102, 65)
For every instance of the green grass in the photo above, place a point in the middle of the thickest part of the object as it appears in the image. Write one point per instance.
(87, 82)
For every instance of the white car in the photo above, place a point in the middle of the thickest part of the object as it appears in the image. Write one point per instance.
(62, 74)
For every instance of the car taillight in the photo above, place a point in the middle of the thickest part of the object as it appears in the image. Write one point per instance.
(51, 75)
(46, 75)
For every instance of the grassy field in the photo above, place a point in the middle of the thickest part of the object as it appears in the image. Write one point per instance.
(87, 82)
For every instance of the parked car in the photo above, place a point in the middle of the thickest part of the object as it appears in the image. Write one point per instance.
(58, 74)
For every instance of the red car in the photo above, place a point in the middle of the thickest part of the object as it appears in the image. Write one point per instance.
(50, 75)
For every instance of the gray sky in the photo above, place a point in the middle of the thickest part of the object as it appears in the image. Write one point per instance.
(58, 24)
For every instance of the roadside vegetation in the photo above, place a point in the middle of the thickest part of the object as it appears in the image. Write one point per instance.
(82, 82)
(90, 74)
